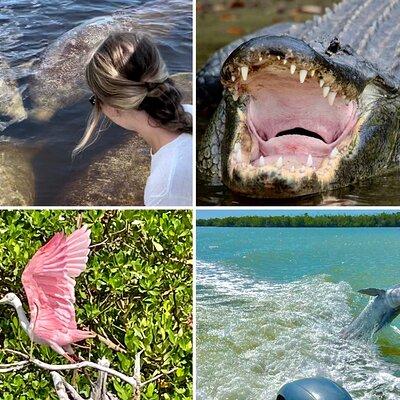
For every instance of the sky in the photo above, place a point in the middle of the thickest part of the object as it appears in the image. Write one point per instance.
(204, 214)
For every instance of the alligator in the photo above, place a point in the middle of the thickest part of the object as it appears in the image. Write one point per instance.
(304, 108)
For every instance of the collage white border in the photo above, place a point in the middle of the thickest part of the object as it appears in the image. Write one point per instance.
(194, 208)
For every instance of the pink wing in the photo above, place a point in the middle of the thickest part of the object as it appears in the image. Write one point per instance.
(49, 284)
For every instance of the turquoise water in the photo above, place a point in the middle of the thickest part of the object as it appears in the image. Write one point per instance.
(272, 301)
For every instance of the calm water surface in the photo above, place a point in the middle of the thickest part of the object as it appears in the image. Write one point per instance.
(272, 301)
(379, 191)
(27, 27)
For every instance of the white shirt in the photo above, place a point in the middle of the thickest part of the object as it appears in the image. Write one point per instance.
(171, 175)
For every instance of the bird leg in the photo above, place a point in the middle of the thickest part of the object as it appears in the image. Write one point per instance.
(58, 349)
(31, 350)
(77, 358)
(72, 360)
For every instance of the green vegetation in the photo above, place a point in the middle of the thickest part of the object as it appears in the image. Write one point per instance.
(220, 22)
(334, 221)
(137, 291)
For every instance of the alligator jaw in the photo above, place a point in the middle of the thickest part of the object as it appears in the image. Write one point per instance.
(297, 117)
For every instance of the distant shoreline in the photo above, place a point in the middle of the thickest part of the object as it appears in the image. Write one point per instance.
(382, 220)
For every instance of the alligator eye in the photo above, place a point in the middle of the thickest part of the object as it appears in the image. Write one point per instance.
(334, 46)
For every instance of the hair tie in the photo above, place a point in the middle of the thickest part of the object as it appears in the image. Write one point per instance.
(151, 85)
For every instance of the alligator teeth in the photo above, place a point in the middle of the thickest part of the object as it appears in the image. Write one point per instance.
(239, 156)
(261, 162)
(260, 58)
(235, 96)
(292, 69)
(233, 78)
(244, 71)
(238, 152)
(331, 98)
(303, 75)
(325, 91)
(312, 72)
(310, 161)
(279, 163)
(334, 153)
(278, 57)
(241, 115)
(284, 61)
(321, 83)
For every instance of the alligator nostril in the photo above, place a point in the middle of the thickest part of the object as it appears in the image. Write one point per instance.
(334, 46)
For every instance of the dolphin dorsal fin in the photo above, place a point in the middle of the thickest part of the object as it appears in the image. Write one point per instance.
(372, 291)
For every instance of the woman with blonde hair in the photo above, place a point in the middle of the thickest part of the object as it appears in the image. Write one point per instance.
(132, 88)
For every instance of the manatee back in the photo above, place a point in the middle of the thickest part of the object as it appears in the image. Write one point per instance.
(59, 79)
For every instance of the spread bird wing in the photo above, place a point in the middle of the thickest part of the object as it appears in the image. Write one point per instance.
(49, 282)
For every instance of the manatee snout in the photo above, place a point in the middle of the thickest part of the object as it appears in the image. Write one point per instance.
(12, 108)
(42, 114)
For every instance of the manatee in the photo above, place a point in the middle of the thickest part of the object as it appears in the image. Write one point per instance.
(11, 104)
(58, 80)
(117, 176)
(17, 181)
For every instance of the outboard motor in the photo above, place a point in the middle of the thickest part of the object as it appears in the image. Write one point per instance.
(313, 389)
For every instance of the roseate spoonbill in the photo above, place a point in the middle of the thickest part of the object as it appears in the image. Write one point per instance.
(49, 282)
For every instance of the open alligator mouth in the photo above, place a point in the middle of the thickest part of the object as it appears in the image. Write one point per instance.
(297, 115)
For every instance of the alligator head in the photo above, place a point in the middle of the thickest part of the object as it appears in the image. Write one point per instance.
(301, 119)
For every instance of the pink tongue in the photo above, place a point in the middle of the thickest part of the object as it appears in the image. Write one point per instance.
(294, 145)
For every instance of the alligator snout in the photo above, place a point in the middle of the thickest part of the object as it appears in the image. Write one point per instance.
(294, 53)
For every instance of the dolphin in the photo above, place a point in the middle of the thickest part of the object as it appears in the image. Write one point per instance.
(382, 309)
(59, 79)
(11, 105)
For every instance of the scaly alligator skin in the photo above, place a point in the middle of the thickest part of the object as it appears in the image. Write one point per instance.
(305, 108)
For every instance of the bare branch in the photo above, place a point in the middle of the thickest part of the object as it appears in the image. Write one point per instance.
(18, 353)
(159, 376)
(100, 389)
(9, 368)
(79, 220)
(136, 392)
(110, 344)
(59, 386)
(75, 395)
(65, 367)
(13, 364)
(84, 364)
(98, 244)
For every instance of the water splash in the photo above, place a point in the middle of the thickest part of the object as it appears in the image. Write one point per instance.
(254, 336)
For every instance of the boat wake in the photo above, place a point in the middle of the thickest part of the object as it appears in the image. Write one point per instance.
(254, 336)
